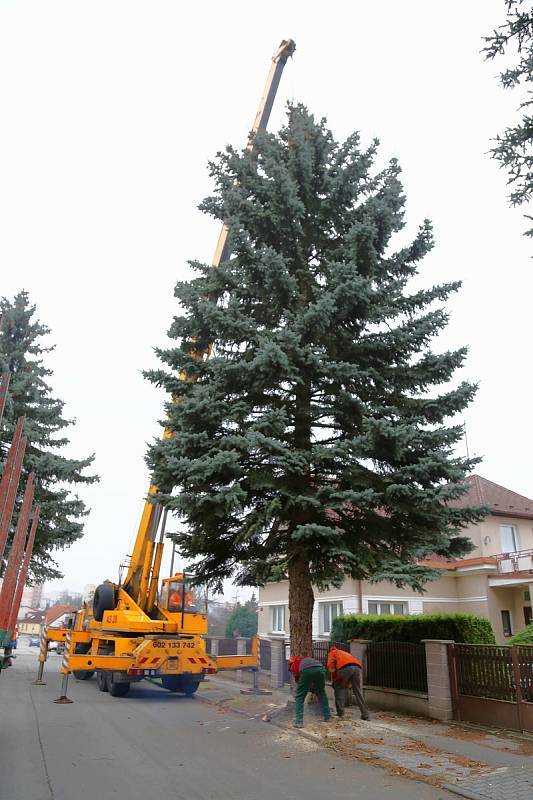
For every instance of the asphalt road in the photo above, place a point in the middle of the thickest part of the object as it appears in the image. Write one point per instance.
(153, 744)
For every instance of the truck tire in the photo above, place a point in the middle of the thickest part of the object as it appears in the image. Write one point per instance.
(82, 674)
(104, 600)
(102, 680)
(118, 689)
(190, 687)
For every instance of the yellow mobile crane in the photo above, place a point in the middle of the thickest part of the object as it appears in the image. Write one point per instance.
(134, 630)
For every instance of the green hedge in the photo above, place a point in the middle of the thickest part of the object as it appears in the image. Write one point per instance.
(524, 637)
(467, 628)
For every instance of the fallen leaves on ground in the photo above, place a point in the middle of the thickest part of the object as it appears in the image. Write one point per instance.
(418, 747)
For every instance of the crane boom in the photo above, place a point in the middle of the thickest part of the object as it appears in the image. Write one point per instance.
(130, 631)
(143, 571)
(279, 59)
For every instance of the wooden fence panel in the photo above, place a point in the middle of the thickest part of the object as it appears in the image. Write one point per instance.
(492, 685)
(485, 671)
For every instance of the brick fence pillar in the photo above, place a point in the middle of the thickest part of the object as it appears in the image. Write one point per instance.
(214, 647)
(358, 650)
(438, 672)
(277, 668)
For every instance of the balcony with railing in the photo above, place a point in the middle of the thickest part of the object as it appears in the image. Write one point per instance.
(521, 561)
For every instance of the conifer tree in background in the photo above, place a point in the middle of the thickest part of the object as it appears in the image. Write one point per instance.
(243, 620)
(21, 353)
(514, 147)
(315, 441)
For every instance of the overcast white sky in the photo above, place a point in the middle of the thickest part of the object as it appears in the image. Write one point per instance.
(110, 111)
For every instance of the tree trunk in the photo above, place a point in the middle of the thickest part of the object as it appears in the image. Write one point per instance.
(301, 603)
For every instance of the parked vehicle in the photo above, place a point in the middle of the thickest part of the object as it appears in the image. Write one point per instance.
(34, 641)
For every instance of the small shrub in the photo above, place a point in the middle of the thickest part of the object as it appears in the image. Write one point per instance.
(524, 637)
(466, 628)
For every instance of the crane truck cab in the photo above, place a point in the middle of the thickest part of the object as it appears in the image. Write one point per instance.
(184, 604)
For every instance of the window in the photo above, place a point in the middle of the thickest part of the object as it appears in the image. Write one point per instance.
(506, 623)
(181, 597)
(388, 608)
(329, 612)
(278, 619)
(509, 539)
(164, 595)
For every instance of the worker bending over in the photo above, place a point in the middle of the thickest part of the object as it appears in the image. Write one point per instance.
(309, 675)
(346, 670)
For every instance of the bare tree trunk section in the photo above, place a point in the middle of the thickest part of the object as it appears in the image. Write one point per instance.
(301, 603)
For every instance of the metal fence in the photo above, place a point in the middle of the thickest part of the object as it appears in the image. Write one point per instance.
(265, 654)
(321, 649)
(227, 647)
(397, 665)
(320, 652)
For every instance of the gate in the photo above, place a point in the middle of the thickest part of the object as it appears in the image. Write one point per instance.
(492, 684)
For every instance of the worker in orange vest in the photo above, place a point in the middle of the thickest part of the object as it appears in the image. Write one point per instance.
(346, 670)
(309, 675)
(174, 601)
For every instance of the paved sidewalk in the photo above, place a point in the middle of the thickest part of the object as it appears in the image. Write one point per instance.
(472, 762)
(507, 784)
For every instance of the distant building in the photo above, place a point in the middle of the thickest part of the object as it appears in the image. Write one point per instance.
(495, 580)
(88, 593)
(32, 596)
(57, 616)
(24, 610)
(31, 623)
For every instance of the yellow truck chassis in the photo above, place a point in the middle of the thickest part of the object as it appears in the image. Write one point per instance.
(150, 655)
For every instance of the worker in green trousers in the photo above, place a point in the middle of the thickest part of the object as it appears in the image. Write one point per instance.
(310, 675)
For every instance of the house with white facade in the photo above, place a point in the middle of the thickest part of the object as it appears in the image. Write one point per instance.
(494, 581)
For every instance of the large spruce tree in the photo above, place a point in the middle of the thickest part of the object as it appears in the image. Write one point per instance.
(22, 354)
(513, 148)
(314, 442)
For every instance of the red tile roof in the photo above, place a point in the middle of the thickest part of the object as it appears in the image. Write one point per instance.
(501, 501)
(34, 616)
(438, 562)
(54, 612)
